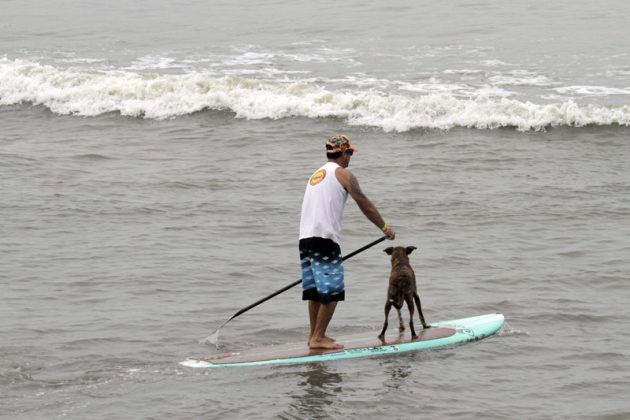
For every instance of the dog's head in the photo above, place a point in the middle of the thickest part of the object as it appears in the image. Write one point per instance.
(399, 253)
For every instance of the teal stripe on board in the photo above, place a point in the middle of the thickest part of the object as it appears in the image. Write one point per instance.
(467, 329)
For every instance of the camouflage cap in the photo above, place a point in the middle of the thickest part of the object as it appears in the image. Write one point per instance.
(339, 143)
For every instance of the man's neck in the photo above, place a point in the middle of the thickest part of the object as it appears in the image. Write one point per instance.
(338, 161)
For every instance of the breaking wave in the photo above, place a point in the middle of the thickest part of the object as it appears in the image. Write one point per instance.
(90, 93)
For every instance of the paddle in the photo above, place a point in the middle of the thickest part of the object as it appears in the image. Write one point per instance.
(214, 338)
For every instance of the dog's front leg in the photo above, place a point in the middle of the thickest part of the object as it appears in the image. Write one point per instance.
(388, 307)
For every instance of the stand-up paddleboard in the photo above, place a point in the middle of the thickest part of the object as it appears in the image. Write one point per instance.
(441, 334)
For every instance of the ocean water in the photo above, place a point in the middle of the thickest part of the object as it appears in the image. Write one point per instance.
(153, 160)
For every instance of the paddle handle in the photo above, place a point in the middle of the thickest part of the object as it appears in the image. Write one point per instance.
(284, 289)
(370, 245)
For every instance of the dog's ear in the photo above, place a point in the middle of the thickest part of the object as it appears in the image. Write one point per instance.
(389, 250)
(410, 249)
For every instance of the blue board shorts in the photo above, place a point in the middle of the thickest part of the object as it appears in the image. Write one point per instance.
(322, 270)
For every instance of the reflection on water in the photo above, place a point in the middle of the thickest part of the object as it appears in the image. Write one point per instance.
(315, 393)
(397, 373)
(319, 389)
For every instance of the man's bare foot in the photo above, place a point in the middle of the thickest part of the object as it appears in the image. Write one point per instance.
(324, 344)
(325, 338)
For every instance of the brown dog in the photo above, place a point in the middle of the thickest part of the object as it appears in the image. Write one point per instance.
(402, 288)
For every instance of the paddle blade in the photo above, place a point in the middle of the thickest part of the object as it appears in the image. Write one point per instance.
(211, 339)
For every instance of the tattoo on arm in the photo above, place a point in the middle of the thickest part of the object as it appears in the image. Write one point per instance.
(355, 189)
(364, 203)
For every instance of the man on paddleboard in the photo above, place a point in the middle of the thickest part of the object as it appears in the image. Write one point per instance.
(320, 228)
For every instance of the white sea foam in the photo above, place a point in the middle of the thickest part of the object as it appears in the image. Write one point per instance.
(433, 86)
(305, 58)
(463, 71)
(494, 63)
(90, 93)
(152, 62)
(249, 58)
(520, 78)
(490, 91)
(79, 60)
(593, 90)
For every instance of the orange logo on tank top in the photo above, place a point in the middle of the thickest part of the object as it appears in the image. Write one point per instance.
(318, 177)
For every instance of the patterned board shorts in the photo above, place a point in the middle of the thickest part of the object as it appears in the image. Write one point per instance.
(322, 270)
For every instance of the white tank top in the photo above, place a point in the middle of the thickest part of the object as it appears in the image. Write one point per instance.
(322, 208)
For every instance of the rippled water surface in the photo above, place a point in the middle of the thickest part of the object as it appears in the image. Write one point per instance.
(126, 241)
(153, 159)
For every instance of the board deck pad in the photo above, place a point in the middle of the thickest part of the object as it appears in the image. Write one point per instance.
(350, 342)
(443, 333)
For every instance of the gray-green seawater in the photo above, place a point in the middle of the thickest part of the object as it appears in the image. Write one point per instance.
(153, 159)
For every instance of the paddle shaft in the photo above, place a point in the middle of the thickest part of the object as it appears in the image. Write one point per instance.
(284, 289)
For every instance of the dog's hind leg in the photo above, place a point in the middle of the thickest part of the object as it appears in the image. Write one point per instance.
(401, 325)
(417, 299)
(388, 307)
(409, 301)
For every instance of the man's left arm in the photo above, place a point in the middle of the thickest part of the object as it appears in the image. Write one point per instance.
(351, 184)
